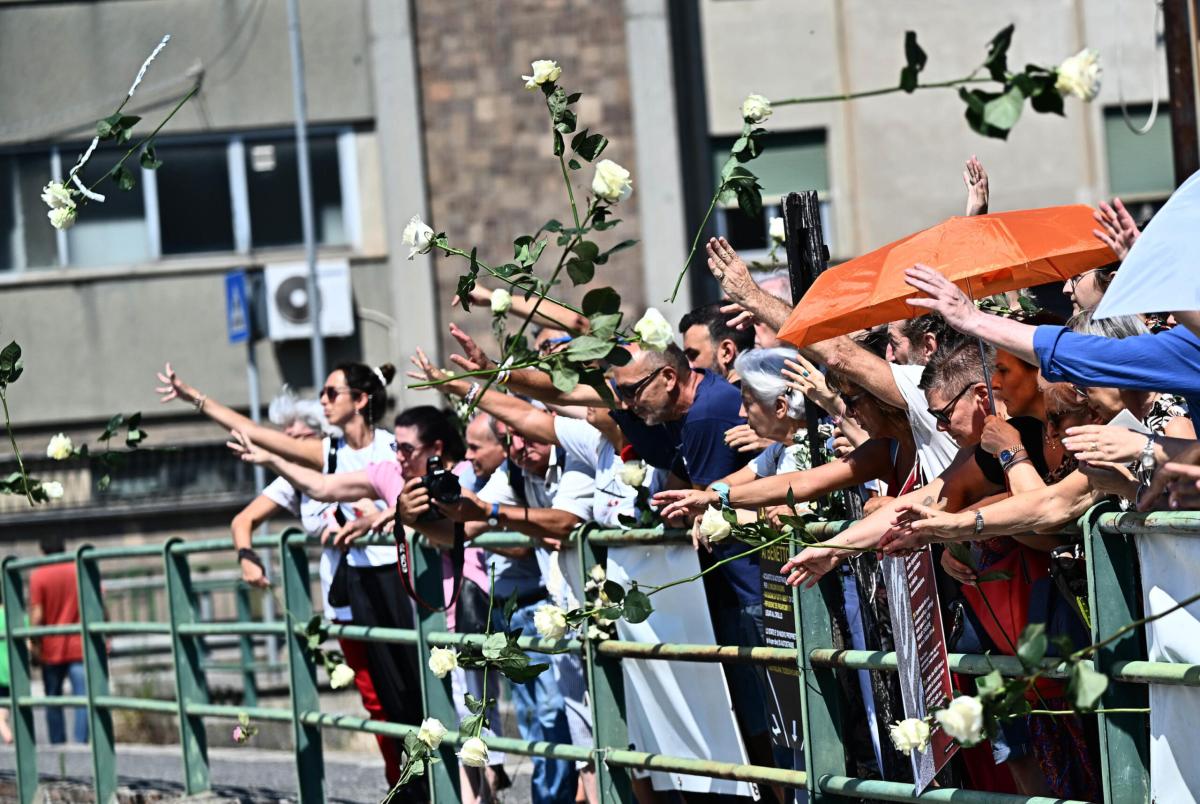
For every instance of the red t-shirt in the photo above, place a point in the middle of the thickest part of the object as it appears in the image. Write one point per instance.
(55, 589)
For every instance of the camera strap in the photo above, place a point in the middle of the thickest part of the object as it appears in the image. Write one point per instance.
(404, 565)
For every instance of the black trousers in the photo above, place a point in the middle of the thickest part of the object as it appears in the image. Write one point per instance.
(377, 597)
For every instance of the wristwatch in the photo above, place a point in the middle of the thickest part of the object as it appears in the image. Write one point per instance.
(978, 522)
(1147, 463)
(1010, 456)
(722, 490)
(493, 519)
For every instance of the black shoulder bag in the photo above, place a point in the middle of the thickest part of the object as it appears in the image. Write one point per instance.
(339, 586)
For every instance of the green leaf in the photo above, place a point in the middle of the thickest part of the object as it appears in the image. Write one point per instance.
(580, 271)
(559, 146)
(990, 685)
(588, 347)
(470, 724)
(564, 376)
(149, 159)
(604, 325)
(1032, 645)
(10, 364)
(552, 225)
(636, 606)
(915, 59)
(601, 300)
(1003, 112)
(997, 57)
(121, 175)
(614, 591)
(624, 244)
(591, 146)
(573, 164)
(495, 646)
(977, 100)
(994, 575)
(962, 553)
(510, 606)
(1086, 686)
(619, 356)
(523, 674)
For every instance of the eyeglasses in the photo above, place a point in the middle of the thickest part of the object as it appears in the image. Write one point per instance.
(943, 416)
(630, 392)
(852, 402)
(404, 449)
(334, 391)
(1074, 281)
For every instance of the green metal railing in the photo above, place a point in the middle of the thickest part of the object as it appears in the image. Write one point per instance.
(1114, 603)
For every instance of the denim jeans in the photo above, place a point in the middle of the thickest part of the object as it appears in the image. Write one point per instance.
(53, 676)
(541, 715)
(742, 624)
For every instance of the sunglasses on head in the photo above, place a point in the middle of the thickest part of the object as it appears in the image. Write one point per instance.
(630, 392)
(942, 416)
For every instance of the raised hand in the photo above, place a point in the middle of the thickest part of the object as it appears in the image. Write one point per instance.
(174, 388)
(976, 179)
(245, 449)
(473, 357)
(1117, 229)
(804, 377)
(941, 296)
(742, 318)
(426, 371)
(729, 269)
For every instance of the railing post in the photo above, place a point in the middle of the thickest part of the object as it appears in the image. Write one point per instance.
(436, 695)
(302, 675)
(190, 686)
(95, 671)
(606, 685)
(246, 643)
(819, 691)
(1113, 602)
(19, 670)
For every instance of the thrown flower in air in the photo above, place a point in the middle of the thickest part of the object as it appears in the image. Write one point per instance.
(431, 732)
(418, 235)
(53, 489)
(474, 753)
(713, 526)
(654, 331)
(62, 218)
(777, 232)
(911, 734)
(58, 196)
(962, 719)
(611, 182)
(756, 108)
(633, 473)
(1079, 75)
(501, 301)
(544, 70)
(341, 676)
(60, 447)
(442, 661)
(550, 622)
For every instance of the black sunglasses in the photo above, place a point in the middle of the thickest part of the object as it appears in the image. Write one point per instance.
(630, 392)
(852, 402)
(404, 449)
(332, 392)
(943, 416)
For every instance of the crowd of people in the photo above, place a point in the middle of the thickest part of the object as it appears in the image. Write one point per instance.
(997, 430)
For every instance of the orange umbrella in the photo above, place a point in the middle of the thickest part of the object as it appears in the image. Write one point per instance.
(983, 255)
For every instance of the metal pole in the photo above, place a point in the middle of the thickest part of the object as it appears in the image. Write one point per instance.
(1180, 37)
(260, 482)
(306, 202)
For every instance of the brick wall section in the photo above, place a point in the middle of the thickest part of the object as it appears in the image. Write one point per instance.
(492, 174)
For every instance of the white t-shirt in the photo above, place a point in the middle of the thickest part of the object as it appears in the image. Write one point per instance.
(315, 517)
(935, 448)
(612, 497)
(355, 460)
(780, 458)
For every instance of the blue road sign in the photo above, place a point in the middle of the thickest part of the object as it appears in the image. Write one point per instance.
(237, 306)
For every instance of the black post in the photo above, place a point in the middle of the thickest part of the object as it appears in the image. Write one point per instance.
(1180, 21)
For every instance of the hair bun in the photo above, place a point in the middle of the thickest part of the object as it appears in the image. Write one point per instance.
(386, 373)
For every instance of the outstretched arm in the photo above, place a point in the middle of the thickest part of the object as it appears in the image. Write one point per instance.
(343, 487)
(735, 279)
(306, 451)
(943, 296)
(549, 312)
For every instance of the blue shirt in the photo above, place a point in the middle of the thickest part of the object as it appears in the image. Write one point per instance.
(513, 575)
(1167, 361)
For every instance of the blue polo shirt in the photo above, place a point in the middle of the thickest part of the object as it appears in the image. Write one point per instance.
(1165, 361)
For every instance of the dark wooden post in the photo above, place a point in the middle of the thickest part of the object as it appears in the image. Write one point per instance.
(1180, 21)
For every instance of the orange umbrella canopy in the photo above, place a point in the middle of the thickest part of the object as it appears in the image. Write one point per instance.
(983, 255)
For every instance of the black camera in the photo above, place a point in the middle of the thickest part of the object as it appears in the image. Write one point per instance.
(443, 487)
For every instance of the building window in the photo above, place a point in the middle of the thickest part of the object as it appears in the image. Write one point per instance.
(790, 162)
(271, 180)
(114, 232)
(1141, 169)
(195, 207)
(26, 238)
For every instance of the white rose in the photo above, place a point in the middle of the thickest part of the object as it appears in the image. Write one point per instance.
(713, 526)
(419, 235)
(431, 732)
(501, 301)
(57, 196)
(654, 330)
(53, 489)
(341, 675)
(1080, 75)
(633, 474)
(756, 108)
(550, 622)
(543, 70)
(474, 753)
(597, 574)
(442, 661)
(60, 447)
(611, 182)
(62, 218)
(777, 231)
(962, 719)
(909, 735)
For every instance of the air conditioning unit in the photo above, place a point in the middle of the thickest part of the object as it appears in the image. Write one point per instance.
(289, 313)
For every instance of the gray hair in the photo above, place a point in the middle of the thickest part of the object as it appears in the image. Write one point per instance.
(761, 372)
(1121, 326)
(286, 408)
